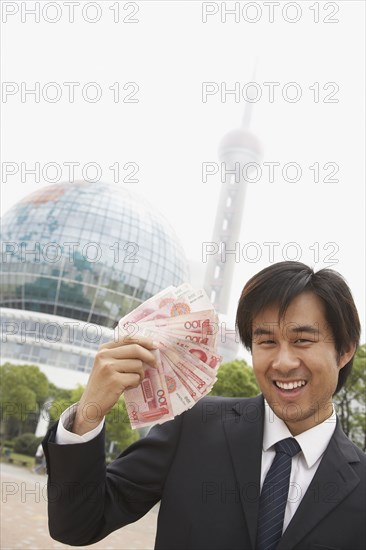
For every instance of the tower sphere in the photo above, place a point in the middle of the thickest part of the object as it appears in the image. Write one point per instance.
(238, 142)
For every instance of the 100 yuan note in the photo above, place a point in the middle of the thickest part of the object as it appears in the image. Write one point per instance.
(149, 403)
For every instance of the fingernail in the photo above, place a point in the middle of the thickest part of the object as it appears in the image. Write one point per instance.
(155, 344)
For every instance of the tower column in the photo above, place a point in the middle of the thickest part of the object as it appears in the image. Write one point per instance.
(238, 148)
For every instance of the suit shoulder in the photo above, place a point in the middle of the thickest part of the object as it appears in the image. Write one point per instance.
(361, 454)
(212, 406)
(216, 400)
(231, 401)
(351, 451)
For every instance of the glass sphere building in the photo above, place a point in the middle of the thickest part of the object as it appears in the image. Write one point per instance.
(89, 252)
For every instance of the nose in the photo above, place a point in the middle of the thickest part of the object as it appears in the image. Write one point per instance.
(285, 358)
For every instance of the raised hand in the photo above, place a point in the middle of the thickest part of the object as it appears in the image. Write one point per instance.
(118, 365)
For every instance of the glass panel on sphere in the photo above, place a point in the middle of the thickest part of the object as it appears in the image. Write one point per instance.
(42, 289)
(76, 295)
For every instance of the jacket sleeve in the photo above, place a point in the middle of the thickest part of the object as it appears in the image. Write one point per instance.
(87, 500)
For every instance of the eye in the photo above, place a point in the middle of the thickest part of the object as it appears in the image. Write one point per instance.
(302, 341)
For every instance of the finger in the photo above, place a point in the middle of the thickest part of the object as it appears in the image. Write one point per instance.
(129, 352)
(123, 340)
(135, 337)
(129, 380)
(130, 366)
(134, 351)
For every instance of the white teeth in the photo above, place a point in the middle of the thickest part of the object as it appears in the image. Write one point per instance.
(290, 385)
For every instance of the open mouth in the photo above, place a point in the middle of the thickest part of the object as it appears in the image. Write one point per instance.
(290, 386)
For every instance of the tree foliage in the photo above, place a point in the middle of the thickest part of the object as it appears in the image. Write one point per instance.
(26, 444)
(118, 427)
(235, 379)
(350, 401)
(24, 389)
(61, 399)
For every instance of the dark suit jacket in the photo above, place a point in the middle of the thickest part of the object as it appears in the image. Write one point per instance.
(204, 466)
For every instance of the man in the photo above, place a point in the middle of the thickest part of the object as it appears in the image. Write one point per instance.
(221, 472)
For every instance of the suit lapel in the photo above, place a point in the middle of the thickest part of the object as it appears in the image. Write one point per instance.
(244, 432)
(333, 481)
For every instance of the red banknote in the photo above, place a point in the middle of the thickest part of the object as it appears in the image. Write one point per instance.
(185, 325)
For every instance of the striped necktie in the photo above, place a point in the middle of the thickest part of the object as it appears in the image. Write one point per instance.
(274, 494)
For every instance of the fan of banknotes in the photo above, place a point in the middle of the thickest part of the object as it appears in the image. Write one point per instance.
(185, 325)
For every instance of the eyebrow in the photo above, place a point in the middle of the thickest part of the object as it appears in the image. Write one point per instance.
(309, 329)
(305, 328)
(260, 331)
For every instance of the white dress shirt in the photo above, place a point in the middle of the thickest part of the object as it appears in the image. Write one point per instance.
(313, 443)
(63, 434)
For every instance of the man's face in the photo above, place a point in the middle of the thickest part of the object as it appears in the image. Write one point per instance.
(295, 362)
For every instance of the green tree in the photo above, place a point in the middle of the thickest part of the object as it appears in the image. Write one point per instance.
(235, 379)
(26, 444)
(58, 393)
(24, 389)
(118, 428)
(60, 399)
(350, 401)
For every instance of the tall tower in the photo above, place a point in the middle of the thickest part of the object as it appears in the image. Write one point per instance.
(238, 150)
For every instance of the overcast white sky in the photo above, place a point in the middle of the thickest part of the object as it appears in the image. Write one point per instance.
(169, 132)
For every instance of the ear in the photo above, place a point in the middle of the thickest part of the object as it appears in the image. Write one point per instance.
(347, 356)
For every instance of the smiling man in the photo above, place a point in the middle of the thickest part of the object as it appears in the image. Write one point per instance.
(271, 472)
(294, 322)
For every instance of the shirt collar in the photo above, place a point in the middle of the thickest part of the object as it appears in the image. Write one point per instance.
(313, 442)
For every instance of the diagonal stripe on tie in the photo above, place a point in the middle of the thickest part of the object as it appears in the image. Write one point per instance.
(274, 494)
(269, 517)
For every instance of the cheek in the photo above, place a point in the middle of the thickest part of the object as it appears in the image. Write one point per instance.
(259, 370)
(335, 375)
(258, 357)
(326, 377)
(261, 360)
(257, 367)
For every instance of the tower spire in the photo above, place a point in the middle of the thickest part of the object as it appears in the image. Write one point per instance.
(248, 109)
(237, 149)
